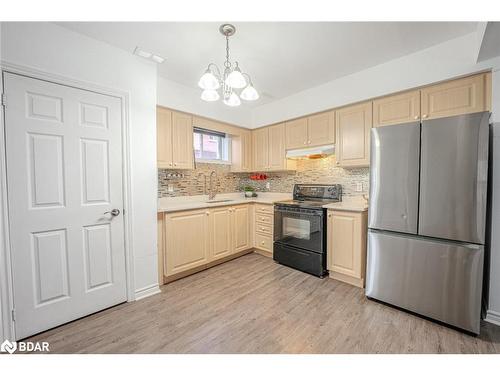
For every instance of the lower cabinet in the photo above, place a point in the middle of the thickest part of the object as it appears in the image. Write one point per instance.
(241, 225)
(187, 240)
(220, 232)
(263, 228)
(197, 238)
(346, 249)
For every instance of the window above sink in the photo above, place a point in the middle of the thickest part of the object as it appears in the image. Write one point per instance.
(211, 146)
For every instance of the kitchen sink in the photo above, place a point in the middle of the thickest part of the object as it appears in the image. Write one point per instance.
(220, 201)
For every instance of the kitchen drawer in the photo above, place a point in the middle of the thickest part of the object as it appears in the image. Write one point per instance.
(264, 242)
(264, 209)
(263, 219)
(265, 229)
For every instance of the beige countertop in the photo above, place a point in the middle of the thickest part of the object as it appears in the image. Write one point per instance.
(357, 204)
(173, 204)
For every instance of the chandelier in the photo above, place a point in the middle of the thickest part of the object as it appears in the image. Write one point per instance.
(232, 79)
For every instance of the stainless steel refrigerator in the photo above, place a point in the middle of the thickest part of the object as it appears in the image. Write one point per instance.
(427, 217)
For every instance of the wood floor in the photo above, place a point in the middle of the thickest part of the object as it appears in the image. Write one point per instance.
(253, 305)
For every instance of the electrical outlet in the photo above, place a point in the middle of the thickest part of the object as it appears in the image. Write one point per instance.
(268, 185)
(170, 188)
(359, 186)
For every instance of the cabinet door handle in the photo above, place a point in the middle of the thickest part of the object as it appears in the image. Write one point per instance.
(207, 213)
(262, 243)
(308, 142)
(305, 142)
(416, 117)
(424, 116)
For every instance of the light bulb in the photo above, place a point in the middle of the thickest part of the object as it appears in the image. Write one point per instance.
(208, 81)
(249, 93)
(235, 79)
(233, 100)
(209, 95)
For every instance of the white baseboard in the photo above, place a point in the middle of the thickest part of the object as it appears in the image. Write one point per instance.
(147, 292)
(493, 317)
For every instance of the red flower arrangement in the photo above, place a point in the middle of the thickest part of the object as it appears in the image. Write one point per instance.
(258, 177)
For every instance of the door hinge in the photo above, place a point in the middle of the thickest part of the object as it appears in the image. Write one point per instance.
(4, 100)
(13, 315)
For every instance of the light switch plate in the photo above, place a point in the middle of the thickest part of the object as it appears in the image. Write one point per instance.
(170, 188)
(268, 185)
(359, 186)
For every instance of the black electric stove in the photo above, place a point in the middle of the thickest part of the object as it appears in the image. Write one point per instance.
(300, 227)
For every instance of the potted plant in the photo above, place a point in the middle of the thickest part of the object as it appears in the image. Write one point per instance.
(249, 191)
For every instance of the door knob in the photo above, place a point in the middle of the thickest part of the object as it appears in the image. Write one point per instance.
(113, 212)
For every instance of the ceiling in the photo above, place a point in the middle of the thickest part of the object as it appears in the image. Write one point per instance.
(281, 57)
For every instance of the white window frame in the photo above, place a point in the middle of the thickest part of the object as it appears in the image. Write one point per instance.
(225, 149)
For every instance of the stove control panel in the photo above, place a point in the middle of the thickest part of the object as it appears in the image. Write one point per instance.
(305, 191)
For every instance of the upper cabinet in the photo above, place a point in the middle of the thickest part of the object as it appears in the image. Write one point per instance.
(277, 160)
(269, 149)
(321, 129)
(260, 140)
(353, 126)
(309, 131)
(264, 149)
(241, 152)
(174, 132)
(296, 133)
(397, 109)
(182, 140)
(164, 138)
(460, 96)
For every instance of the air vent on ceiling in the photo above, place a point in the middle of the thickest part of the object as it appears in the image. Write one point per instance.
(148, 55)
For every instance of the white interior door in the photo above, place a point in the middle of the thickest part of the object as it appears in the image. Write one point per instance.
(64, 172)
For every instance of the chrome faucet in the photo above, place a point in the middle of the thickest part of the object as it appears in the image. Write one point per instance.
(211, 193)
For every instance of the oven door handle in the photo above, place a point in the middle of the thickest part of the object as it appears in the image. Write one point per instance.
(309, 213)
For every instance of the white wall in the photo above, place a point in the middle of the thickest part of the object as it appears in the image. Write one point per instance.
(443, 61)
(176, 96)
(54, 49)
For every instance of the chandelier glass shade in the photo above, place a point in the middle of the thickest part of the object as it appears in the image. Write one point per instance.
(232, 79)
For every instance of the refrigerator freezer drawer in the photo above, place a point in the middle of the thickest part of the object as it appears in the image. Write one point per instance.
(435, 278)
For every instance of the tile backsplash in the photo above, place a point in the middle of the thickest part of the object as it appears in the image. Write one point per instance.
(193, 182)
(320, 171)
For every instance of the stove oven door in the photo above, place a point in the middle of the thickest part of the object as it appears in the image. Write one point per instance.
(299, 227)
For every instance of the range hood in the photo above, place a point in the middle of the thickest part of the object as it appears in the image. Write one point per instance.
(311, 152)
